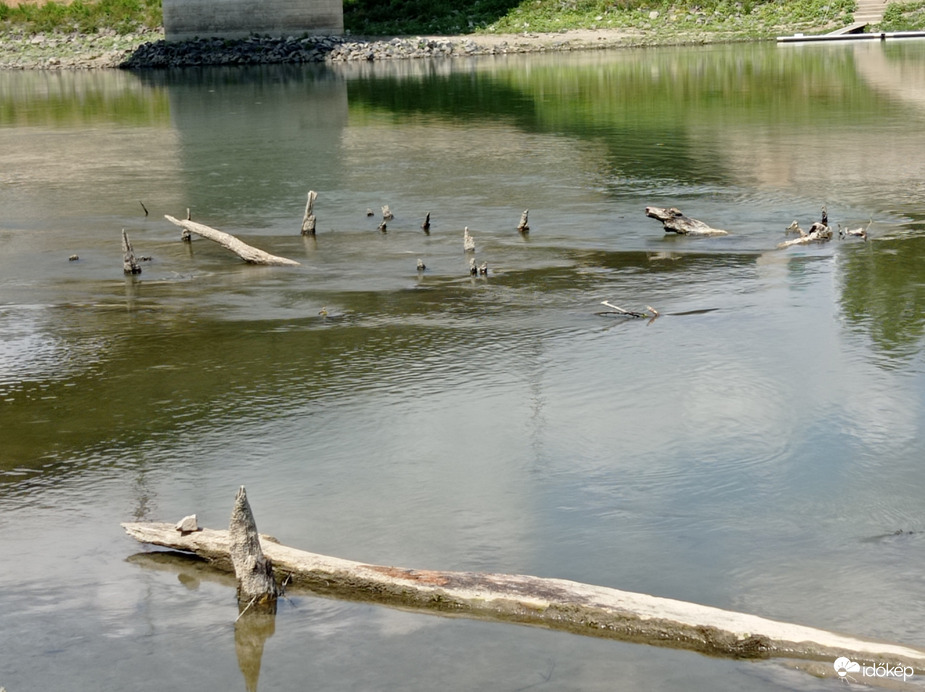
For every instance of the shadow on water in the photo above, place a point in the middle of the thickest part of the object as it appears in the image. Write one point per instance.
(123, 367)
(252, 630)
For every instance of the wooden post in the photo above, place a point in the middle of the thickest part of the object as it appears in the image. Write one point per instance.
(129, 263)
(226, 240)
(522, 227)
(308, 219)
(256, 584)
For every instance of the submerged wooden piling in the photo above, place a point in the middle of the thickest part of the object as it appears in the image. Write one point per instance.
(523, 227)
(257, 587)
(129, 262)
(308, 218)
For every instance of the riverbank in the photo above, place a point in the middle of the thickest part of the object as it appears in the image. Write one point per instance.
(147, 49)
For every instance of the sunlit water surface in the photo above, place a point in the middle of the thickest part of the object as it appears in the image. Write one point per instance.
(757, 447)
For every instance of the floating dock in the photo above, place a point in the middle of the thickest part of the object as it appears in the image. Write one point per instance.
(845, 36)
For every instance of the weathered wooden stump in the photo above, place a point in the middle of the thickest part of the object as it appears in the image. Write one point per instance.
(257, 587)
(468, 241)
(523, 227)
(308, 219)
(129, 262)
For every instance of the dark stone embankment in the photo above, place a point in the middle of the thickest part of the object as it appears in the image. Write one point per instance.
(268, 51)
(149, 50)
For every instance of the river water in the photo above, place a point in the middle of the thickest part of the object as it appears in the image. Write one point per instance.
(757, 447)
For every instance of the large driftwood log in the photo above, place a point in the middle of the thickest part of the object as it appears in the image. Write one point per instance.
(675, 222)
(241, 249)
(553, 603)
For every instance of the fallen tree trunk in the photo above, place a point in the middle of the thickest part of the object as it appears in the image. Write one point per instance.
(241, 249)
(552, 603)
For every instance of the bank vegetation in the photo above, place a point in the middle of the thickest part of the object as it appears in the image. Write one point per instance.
(47, 33)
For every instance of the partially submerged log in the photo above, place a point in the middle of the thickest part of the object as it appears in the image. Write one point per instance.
(246, 252)
(818, 233)
(129, 262)
(308, 218)
(674, 221)
(426, 225)
(553, 603)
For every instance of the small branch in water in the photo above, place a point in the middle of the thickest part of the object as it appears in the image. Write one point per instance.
(246, 608)
(143, 207)
(653, 313)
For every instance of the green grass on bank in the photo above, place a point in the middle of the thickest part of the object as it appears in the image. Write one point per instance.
(84, 16)
(903, 16)
(745, 18)
(740, 18)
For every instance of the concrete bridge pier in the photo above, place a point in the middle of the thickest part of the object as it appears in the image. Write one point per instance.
(188, 19)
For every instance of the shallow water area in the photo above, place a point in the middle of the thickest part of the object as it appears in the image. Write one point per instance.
(756, 447)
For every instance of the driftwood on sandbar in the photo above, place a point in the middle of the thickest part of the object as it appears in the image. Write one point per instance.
(246, 252)
(553, 603)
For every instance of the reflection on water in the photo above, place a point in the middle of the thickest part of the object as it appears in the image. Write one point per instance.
(750, 448)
